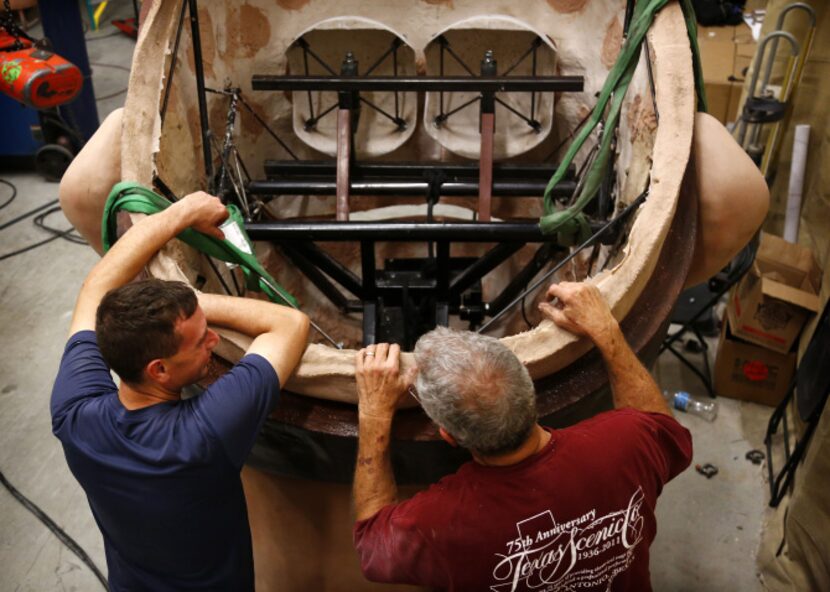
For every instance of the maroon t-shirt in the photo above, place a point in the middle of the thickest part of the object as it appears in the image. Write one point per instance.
(578, 515)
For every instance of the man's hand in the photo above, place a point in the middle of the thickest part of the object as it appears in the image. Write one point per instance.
(203, 212)
(380, 386)
(581, 310)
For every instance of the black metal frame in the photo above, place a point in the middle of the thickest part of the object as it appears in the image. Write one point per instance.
(427, 289)
(418, 83)
(811, 388)
(450, 281)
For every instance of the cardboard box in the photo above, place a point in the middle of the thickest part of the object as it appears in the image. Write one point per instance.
(770, 305)
(749, 372)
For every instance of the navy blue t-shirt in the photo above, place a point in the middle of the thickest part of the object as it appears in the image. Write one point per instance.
(163, 481)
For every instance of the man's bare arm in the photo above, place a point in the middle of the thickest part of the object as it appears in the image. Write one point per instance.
(280, 333)
(130, 254)
(631, 384)
(379, 387)
(583, 311)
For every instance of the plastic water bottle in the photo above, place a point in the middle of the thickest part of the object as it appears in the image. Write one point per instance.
(683, 401)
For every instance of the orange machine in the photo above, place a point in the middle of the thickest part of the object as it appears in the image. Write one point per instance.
(35, 76)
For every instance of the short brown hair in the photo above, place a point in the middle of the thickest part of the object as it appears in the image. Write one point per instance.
(136, 323)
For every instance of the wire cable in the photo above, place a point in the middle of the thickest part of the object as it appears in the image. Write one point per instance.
(10, 199)
(72, 236)
(50, 208)
(27, 214)
(32, 246)
(67, 540)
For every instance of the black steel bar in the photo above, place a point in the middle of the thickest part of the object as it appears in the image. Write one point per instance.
(413, 169)
(533, 45)
(533, 73)
(706, 380)
(441, 74)
(419, 83)
(308, 92)
(395, 73)
(446, 45)
(707, 369)
(482, 266)
(590, 240)
(330, 266)
(396, 120)
(540, 258)
(367, 264)
(531, 122)
(316, 277)
(219, 275)
(442, 284)
(267, 128)
(439, 119)
(304, 44)
(392, 49)
(399, 231)
(163, 188)
(174, 58)
(200, 88)
(405, 187)
(312, 121)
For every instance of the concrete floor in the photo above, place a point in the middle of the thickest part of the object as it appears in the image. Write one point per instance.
(708, 529)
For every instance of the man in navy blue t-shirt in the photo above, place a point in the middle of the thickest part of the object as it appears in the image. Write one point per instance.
(161, 473)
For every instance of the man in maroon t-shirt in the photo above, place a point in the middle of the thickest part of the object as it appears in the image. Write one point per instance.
(537, 509)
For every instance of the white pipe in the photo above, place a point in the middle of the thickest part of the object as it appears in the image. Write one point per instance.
(799, 161)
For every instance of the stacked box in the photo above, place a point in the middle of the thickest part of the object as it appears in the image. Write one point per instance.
(764, 317)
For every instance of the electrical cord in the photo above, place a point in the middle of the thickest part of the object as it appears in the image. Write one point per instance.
(13, 187)
(115, 67)
(111, 95)
(33, 246)
(50, 207)
(14, 221)
(67, 540)
(69, 234)
(115, 33)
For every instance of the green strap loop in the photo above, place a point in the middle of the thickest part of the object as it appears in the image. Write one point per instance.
(571, 221)
(135, 198)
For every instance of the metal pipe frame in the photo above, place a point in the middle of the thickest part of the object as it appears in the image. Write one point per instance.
(501, 171)
(483, 84)
(406, 187)
(399, 232)
(200, 88)
(482, 266)
(543, 254)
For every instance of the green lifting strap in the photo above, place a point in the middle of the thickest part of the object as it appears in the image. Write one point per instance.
(570, 222)
(138, 199)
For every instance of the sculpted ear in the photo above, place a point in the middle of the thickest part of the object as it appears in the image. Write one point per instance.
(447, 437)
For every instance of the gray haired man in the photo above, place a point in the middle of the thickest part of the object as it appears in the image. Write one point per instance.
(536, 508)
